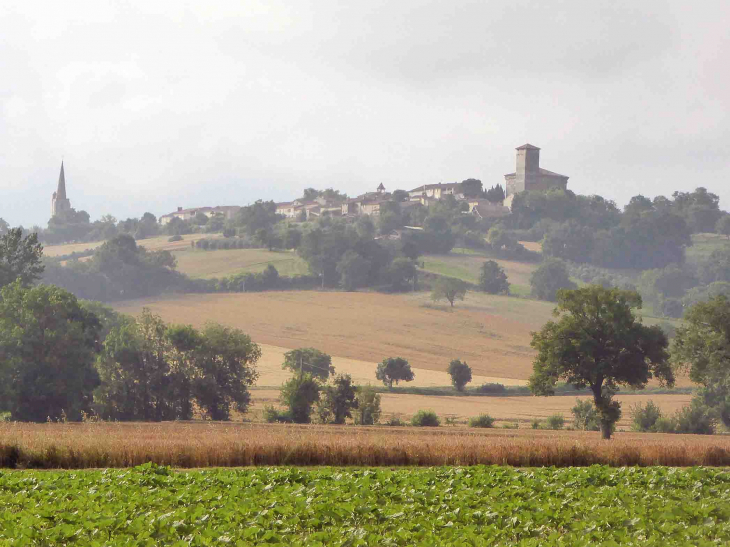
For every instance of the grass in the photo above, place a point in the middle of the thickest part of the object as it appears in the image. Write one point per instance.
(159, 243)
(189, 445)
(224, 263)
(703, 245)
(477, 506)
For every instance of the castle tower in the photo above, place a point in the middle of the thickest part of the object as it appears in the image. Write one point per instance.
(59, 202)
(527, 173)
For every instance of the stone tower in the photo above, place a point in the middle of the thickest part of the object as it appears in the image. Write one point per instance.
(527, 174)
(59, 202)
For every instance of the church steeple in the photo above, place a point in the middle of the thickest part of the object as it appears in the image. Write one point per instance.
(61, 192)
(59, 201)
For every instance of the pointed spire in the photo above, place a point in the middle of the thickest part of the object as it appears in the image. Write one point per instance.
(61, 192)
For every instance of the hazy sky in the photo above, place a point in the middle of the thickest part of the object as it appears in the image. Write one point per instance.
(157, 104)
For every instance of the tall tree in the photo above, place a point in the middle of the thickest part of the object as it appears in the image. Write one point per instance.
(20, 258)
(339, 399)
(309, 361)
(460, 374)
(702, 346)
(598, 343)
(449, 288)
(48, 343)
(492, 278)
(548, 278)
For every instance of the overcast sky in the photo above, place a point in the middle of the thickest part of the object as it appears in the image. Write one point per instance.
(155, 105)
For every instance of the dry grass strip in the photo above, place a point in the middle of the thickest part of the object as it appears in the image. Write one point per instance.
(200, 444)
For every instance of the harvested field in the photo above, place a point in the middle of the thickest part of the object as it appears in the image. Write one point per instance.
(491, 333)
(516, 409)
(234, 444)
(362, 372)
(159, 243)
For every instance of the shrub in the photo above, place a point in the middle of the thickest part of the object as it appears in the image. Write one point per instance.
(536, 423)
(368, 406)
(556, 421)
(272, 415)
(664, 424)
(696, 418)
(491, 388)
(585, 416)
(644, 418)
(425, 418)
(483, 420)
(176, 237)
(395, 421)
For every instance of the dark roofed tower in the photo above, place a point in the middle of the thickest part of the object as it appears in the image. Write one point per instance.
(528, 167)
(59, 202)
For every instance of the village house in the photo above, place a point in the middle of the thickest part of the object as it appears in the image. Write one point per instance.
(435, 191)
(483, 208)
(366, 204)
(228, 212)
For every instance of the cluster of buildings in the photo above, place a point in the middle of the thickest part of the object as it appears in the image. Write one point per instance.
(528, 176)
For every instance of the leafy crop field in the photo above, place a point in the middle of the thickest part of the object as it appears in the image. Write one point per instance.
(477, 506)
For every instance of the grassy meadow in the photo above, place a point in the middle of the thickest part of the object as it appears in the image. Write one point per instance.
(223, 263)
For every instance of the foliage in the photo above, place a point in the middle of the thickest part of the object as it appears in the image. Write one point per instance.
(425, 418)
(492, 278)
(299, 394)
(259, 215)
(585, 416)
(483, 420)
(309, 361)
(20, 257)
(152, 371)
(394, 369)
(400, 274)
(569, 241)
(368, 406)
(48, 343)
(550, 277)
(450, 288)
(273, 415)
(495, 194)
(702, 346)
(460, 374)
(556, 421)
(598, 343)
(644, 417)
(717, 266)
(353, 271)
(723, 225)
(266, 505)
(339, 399)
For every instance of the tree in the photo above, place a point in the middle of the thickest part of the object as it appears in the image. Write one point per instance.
(20, 258)
(598, 343)
(299, 394)
(721, 227)
(495, 194)
(394, 369)
(569, 241)
(548, 278)
(4, 227)
(460, 374)
(368, 406)
(716, 267)
(309, 361)
(401, 274)
(400, 196)
(702, 346)
(471, 188)
(48, 343)
(224, 362)
(353, 270)
(492, 278)
(449, 288)
(585, 416)
(340, 398)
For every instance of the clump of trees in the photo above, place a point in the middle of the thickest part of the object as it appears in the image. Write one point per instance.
(549, 278)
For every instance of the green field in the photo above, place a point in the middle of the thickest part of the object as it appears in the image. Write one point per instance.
(703, 245)
(457, 506)
(224, 263)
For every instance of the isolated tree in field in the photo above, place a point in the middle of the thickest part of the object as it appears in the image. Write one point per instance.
(48, 344)
(598, 343)
(702, 346)
(394, 369)
(548, 278)
(340, 398)
(723, 226)
(353, 271)
(299, 394)
(20, 258)
(460, 374)
(492, 278)
(449, 288)
(368, 406)
(309, 360)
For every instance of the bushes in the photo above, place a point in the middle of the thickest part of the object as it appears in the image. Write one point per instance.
(585, 416)
(556, 421)
(176, 237)
(425, 418)
(483, 420)
(492, 388)
(696, 418)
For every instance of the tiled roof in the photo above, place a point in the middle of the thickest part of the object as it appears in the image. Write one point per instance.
(527, 146)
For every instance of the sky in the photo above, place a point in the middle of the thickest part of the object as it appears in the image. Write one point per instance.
(155, 105)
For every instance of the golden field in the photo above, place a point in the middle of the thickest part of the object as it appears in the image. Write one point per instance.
(491, 333)
(159, 243)
(235, 444)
